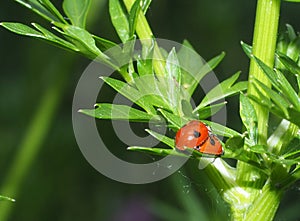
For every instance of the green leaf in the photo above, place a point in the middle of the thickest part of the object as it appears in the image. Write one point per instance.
(118, 112)
(205, 69)
(154, 90)
(221, 130)
(224, 89)
(247, 49)
(77, 11)
(52, 38)
(39, 9)
(104, 44)
(84, 41)
(42, 34)
(259, 149)
(249, 118)
(5, 198)
(280, 83)
(210, 110)
(173, 74)
(119, 19)
(235, 144)
(133, 17)
(21, 29)
(173, 67)
(51, 8)
(281, 103)
(157, 151)
(293, 114)
(129, 92)
(175, 120)
(145, 6)
(166, 140)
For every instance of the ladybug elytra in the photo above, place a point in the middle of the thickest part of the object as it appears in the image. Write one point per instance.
(197, 135)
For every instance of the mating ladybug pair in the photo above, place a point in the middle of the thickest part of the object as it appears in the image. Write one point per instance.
(198, 136)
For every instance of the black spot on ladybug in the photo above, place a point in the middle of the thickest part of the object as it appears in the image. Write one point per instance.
(197, 134)
(212, 141)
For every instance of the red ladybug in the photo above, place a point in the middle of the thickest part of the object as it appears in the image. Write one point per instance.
(197, 135)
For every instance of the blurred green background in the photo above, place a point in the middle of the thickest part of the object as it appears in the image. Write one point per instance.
(60, 183)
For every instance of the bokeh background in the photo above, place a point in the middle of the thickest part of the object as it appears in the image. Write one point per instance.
(60, 184)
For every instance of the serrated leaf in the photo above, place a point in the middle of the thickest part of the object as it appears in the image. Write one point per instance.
(119, 19)
(166, 140)
(118, 112)
(249, 118)
(77, 11)
(225, 89)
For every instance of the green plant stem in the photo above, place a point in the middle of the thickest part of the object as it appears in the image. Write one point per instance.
(265, 206)
(264, 44)
(32, 142)
(146, 36)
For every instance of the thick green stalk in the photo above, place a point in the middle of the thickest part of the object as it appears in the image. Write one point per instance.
(32, 142)
(146, 36)
(264, 44)
(265, 206)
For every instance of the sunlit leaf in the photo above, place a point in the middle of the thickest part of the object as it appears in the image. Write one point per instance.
(221, 130)
(249, 118)
(156, 151)
(5, 198)
(53, 10)
(77, 11)
(210, 110)
(39, 9)
(133, 16)
(164, 139)
(129, 92)
(119, 19)
(118, 112)
(205, 69)
(175, 120)
(280, 82)
(225, 89)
